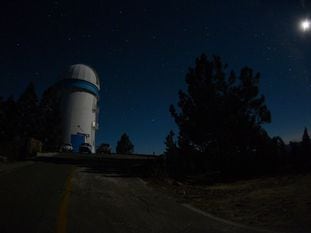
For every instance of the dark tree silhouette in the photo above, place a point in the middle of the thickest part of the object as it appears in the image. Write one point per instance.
(295, 153)
(170, 144)
(10, 118)
(171, 155)
(50, 118)
(279, 147)
(220, 114)
(124, 145)
(306, 143)
(10, 143)
(22, 122)
(305, 156)
(27, 106)
(8, 130)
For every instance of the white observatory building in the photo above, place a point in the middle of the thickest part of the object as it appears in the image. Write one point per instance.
(79, 106)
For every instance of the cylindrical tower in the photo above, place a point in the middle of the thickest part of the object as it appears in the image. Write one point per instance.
(79, 106)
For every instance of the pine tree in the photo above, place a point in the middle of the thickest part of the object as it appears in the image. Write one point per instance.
(8, 129)
(170, 144)
(27, 106)
(220, 113)
(306, 146)
(124, 145)
(306, 138)
(10, 118)
(49, 119)
(172, 157)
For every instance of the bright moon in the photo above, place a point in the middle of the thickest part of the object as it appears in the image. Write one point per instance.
(305, 25)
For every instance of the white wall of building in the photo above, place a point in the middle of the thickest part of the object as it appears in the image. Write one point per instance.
(79, 115)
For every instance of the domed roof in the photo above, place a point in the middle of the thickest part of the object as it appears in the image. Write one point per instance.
(82, 72)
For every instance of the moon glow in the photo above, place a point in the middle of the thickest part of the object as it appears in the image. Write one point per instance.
(305, 25)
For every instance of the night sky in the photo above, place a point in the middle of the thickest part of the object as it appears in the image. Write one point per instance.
(142, 51)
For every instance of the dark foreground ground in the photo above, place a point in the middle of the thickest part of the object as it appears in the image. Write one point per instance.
(279, 203)
(81, 195)
(30, 197)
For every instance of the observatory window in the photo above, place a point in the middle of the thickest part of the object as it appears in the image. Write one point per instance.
(94, 106)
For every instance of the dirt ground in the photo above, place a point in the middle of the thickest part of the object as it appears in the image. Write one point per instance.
(280, 203)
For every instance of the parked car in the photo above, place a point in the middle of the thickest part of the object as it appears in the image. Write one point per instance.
(66, 148)
(85, 148)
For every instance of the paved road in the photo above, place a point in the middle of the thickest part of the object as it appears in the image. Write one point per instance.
(65, 196)
(30, 197)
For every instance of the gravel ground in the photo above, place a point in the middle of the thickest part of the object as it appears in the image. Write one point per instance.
(275, 203)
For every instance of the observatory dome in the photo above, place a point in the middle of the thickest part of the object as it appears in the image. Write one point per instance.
(82, 72)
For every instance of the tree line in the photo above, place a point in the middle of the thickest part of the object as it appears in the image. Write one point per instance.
(32, 118)
(29, 117)
(220, 119)
(124, 146)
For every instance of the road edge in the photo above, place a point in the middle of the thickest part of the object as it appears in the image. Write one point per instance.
(228, 222)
